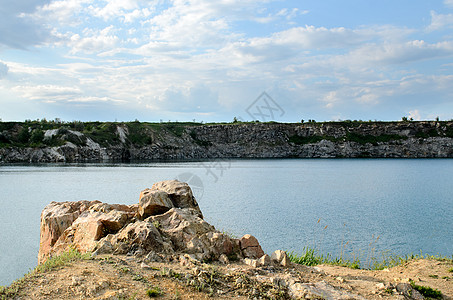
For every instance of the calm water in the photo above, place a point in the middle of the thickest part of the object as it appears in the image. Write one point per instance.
(408, 204)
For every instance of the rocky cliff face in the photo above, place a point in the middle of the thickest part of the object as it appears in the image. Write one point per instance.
(145, 141)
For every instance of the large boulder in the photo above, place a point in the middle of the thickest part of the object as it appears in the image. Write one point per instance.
(167, 221)
(179, 193)
(153, 202)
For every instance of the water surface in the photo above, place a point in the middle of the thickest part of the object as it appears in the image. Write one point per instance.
(372, 205)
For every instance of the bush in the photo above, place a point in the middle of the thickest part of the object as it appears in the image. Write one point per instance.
(37, 136)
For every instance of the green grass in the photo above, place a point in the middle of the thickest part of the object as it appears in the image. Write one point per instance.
(426, 291)
(61, 260)
(312, 257)
(53, 263)
(154, 292)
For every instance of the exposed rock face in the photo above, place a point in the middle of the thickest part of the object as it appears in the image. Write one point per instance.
(261, 140)
(56, 218)
(167, 221)
(250, 246)
(153, 203)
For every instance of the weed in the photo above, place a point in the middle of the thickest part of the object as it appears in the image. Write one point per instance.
(169, 273)
(153, 292)
(450, 270)
(61, 260)
(434, 276)
(427, 291)
(50, 264)
(156, 224)
(177, 295)
(309, 257)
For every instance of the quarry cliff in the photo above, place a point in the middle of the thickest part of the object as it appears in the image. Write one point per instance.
(38, 141)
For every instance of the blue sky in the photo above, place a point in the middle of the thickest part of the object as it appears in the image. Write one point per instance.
(203, 60)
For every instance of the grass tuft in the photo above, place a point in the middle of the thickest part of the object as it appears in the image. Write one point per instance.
(426, 291)
(61, 260)
(154, 292)
(13, 291)
(312, 257)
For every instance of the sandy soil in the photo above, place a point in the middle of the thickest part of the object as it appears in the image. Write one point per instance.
(122, 277)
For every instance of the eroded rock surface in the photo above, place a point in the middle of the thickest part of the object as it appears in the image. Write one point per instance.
(167, 221)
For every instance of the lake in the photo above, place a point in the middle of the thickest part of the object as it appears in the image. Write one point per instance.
(359, 206)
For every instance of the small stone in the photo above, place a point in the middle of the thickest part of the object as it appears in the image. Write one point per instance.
(280, 257)
(277, 255)
(380, 286)
(76, 280)
(184, 261)
(340, 279)
(251, 262)
(224, 259)
(145, 266)
(285, 261)
(264, 260)
(103, 284)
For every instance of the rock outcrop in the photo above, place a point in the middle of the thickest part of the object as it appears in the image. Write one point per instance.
(145, 141)
(166, 222)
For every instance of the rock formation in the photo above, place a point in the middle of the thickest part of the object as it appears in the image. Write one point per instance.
(346, 139)
(166, 222)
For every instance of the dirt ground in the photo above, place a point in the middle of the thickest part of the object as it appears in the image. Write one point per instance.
(123, 277)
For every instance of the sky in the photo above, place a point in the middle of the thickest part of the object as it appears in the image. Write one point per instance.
(211, 61)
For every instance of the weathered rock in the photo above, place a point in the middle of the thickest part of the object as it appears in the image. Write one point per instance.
(319, 290)
(153, 202)
(262, 140)
(250, 247)
(264, 260)
(179, 193)
(280, 257)
(55, 219)
(120, 229)
(408, 291)
(224, 259)
(251, 262)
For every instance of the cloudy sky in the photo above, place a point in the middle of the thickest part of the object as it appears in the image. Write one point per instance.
(211, 60)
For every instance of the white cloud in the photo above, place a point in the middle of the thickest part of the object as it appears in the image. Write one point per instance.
(47, 93)
(440, 21)
(3, 70)
(137, 14)
(62, 11)
(398, 53)
(114, 8)
(94, 41)
(415, 114)
(448, 3)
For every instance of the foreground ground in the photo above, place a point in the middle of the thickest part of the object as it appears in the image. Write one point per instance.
(128, 277)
